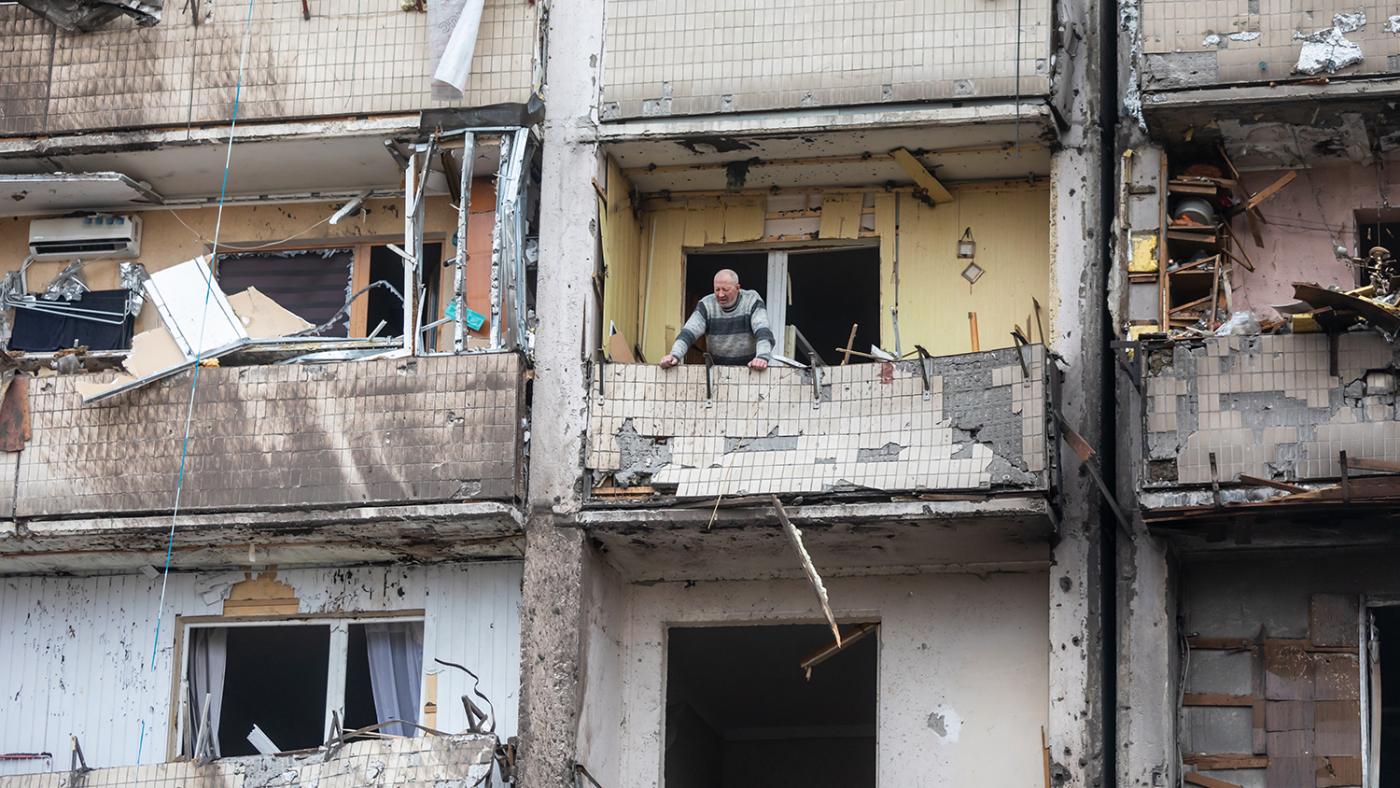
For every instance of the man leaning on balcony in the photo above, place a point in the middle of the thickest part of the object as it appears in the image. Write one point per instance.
(735, 320)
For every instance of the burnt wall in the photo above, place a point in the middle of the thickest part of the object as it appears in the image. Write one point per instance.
(352, 433)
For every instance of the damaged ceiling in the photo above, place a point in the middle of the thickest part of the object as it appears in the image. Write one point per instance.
(266, 165)
(860, 157)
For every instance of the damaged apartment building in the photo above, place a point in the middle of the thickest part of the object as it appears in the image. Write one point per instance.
(340, 450)
(1257, 380)
(267, 299)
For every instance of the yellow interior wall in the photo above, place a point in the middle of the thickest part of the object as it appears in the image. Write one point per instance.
(1010, 223)
(165, 241)
(621, 232)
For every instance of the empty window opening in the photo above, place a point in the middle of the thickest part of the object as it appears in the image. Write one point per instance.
(700, 270)
(1371, 234)
(741, 714)
(1385, 695)
(828, 292)
(275, 679)
(286, 680)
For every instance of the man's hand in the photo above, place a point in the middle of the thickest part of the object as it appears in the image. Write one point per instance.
(667, 361)
(758, 364)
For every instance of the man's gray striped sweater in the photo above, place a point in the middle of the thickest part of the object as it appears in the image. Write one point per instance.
(736, 335)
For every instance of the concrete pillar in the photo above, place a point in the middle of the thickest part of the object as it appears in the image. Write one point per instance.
(1076, 725)
(552, 609)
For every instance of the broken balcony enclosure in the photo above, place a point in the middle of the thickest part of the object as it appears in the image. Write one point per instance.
(1268, 426)
(659, 59)
(974, 424)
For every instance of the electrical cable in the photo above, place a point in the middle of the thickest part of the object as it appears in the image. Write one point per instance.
(199, 352)
(245, 247)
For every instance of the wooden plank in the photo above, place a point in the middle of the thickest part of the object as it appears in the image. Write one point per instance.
(359, 279)
(915, 169)
(1198, 643)
(1288, 671)
(615, 492)
(1271, 189)
(1338, 730)
(1364, 464)
(1286, 487)
(1216, 699)
(1226, 761)
(1193, 778)
(1332, 618)
(1288, 715)
(972, 328)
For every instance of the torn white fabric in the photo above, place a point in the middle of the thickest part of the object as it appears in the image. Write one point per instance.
(208, 660)
(455, 65)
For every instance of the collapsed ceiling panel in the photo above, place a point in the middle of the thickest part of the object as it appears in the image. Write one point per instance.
(61, 192)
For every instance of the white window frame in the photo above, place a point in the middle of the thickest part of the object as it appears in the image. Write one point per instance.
(336, 666)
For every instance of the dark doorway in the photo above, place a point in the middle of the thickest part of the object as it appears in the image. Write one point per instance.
(276, 679)
(741, 714)
(1387, 632)
(700, 270)
(386, 266)
(828, 292)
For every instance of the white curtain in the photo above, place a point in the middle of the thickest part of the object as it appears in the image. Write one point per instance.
(208, 657)
(395, 670)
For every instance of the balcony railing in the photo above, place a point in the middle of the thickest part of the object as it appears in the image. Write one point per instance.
(972, 424)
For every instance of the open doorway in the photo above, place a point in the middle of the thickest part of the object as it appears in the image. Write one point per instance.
(740, 712)
(700, 270)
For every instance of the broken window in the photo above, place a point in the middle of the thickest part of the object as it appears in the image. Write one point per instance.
(273, 687)
(814, 296)
(315, 284)
(1384, 675)
(741, 713)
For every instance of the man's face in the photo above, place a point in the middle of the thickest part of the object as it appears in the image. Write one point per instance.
(726, 291)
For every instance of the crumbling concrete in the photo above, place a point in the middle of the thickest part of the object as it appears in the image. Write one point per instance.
(1268, 406)
(979, 425)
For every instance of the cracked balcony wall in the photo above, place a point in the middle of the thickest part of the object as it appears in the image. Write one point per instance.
(77, 651)
(1189, 45)
(663, 59)
(345, 60)
(1269, 407)
(354, 433)
(981, 428)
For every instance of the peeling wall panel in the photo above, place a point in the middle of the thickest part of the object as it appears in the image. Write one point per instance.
(428, 429)
(982, 427)
(78, 649)
(1268, 406)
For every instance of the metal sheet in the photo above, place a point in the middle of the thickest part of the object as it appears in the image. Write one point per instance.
(60, 192)
(194, 308)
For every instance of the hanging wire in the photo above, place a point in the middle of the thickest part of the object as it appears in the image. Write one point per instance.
(199, 351)
(245, 247)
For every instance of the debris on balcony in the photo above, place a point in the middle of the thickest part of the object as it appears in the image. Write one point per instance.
(85, 16)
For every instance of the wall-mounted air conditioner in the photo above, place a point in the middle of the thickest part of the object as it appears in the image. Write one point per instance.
(88, 237)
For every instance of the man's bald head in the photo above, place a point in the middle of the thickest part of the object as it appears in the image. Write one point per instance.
(726, 287)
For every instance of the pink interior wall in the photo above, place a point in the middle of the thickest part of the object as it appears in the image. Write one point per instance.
(1298, 247)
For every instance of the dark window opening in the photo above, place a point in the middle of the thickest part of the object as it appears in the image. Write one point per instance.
(359, 692)
(741, 714)
(1372, 234)
(1387, 633)
(276, 679)
(828, 291)
(38, 331)
(700, 270)
(310, 283)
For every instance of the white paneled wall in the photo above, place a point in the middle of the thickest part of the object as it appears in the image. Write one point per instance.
(75, 652)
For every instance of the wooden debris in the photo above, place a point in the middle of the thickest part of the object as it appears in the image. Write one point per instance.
(972, 328)
(924, 179)
(795, 537)
(1195, 778)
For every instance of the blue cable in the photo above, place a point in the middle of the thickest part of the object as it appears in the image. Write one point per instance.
(198, 357)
